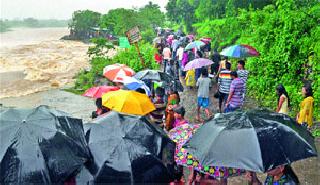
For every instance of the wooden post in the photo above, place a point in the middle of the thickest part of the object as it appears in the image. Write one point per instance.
(140, 56)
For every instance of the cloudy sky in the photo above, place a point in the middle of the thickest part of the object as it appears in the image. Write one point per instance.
(62, 9)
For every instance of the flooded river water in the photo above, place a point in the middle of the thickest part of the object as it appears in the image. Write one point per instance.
(35, 64)
(35, 59)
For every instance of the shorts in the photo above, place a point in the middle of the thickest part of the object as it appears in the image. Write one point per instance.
(203, 102)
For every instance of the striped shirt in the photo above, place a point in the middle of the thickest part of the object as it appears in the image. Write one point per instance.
(224, 81)
(243, 74)
(237, 87)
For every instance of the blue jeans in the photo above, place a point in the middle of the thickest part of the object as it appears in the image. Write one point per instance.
(229, 108)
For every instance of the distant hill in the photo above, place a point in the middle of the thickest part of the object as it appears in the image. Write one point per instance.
(5, 25)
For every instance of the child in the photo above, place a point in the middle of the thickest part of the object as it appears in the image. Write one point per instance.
(190, 79)
(204, 85)
(178, 114)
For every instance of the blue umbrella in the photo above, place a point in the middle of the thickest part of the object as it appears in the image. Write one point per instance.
(132, 83)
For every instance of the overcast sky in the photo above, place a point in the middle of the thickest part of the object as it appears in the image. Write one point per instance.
(62, 9)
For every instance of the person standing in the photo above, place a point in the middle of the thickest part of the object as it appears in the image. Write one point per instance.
(223, 64)
(166, 56)
(204, 85)
(224, 82)
(216, 61)
(174, 46)
(243, 74)
(199, 70)
(190, 79)
(180, 53)
(305, 114)
(157, 116)
(173, 101)
(283, 100)
(235, 98)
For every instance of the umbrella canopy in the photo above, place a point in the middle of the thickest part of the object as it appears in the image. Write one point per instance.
(97, 92)
(117, 71)
(132, 83)
(153, 75)
(197, 63)
(40, 146)
(180, 135)
(240, 51)
(128, 102)
(195, 44)
(128, 149)
(256, 140)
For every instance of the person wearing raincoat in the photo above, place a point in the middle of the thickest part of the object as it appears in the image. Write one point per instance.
(190, 79)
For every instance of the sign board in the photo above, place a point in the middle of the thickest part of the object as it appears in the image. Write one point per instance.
(123, 42)
(133, 35)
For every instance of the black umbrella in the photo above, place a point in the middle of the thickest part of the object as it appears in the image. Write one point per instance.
(153, 75)
(40, 146)
(174, 85)
(256, 140)
(128, 149)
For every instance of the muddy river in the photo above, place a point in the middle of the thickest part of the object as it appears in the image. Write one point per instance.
(35, 64)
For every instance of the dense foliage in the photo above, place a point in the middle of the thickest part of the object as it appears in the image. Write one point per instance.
(119, 20)
(287, 35)
(83, 20)
(87, 79)
(188, 12)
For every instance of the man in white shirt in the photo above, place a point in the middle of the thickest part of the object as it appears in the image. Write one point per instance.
(180, 52)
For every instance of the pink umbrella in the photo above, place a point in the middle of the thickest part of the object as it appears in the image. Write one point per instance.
(197, 63)
(97, 92)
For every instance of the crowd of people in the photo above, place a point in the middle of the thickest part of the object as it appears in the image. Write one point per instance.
(231, 84)
(230, 94)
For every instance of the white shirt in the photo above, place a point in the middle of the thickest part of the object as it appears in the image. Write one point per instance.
(180, 53)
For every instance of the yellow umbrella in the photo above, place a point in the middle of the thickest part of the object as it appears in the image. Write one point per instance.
(129, 102)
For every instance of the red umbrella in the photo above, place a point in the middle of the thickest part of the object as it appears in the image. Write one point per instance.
(115, 71)
(97, 92)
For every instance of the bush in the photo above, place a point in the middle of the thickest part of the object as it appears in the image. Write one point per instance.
(287, 36)
(87, 79)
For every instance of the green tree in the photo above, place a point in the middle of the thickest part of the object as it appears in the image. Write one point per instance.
(151, 16)
(119, 20)
(83, 20)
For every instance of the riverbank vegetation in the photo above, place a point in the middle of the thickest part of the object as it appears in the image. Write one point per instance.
(99, 59)
(285, 32)
(86, 23)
